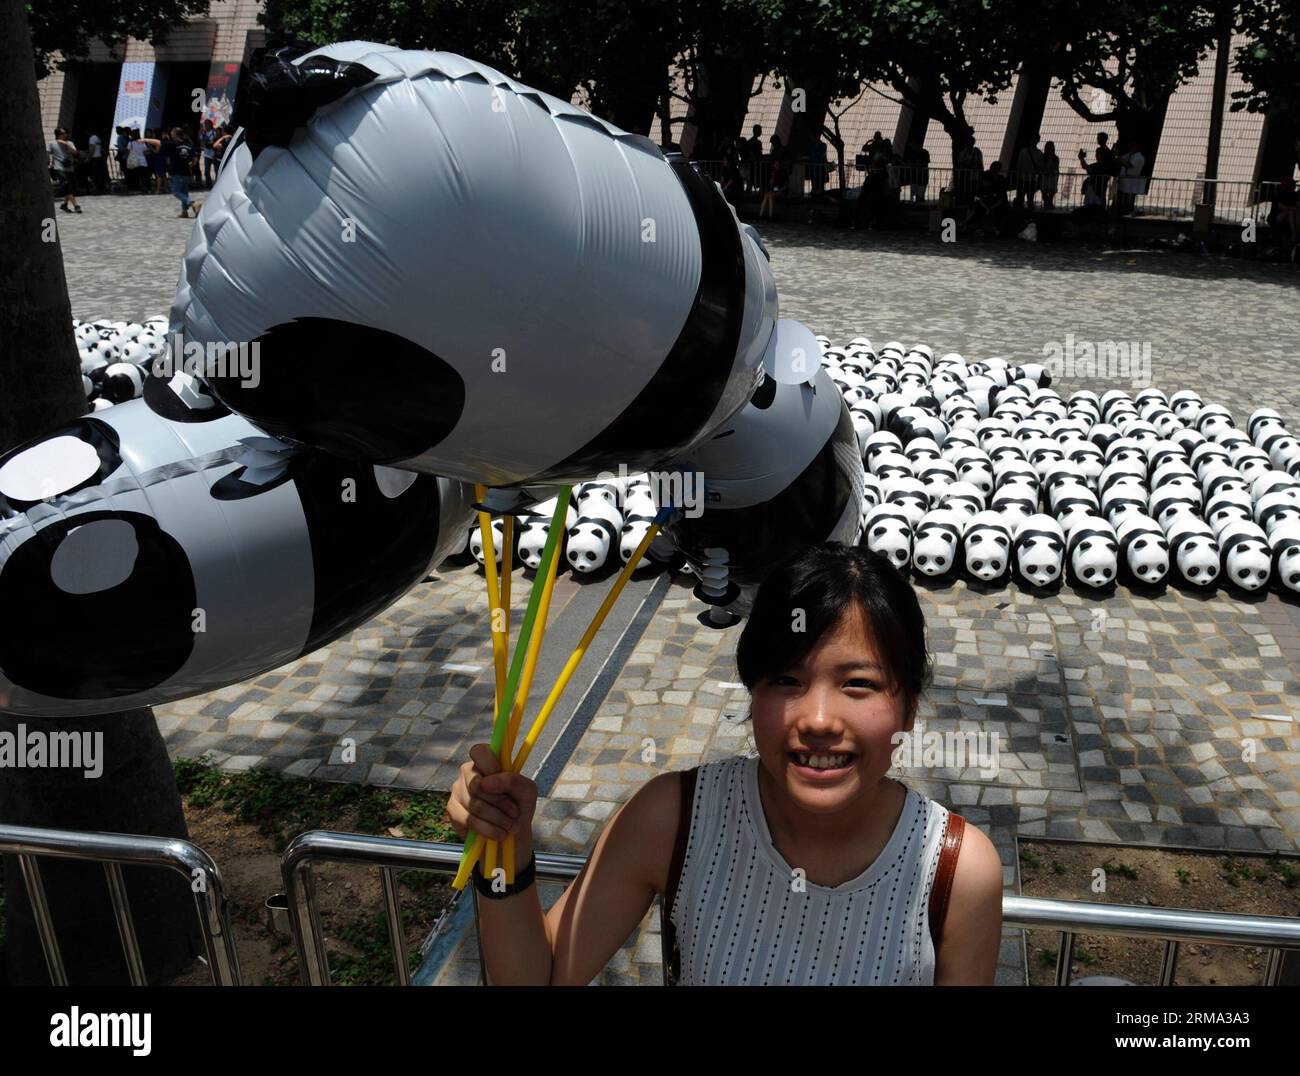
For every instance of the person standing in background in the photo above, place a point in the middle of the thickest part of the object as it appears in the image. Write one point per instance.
(98, 164)
(63, 164)
(1051, 174)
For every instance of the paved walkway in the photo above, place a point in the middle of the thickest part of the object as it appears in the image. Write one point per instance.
(1120, 719)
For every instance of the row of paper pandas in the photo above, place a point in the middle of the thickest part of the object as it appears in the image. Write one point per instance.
(983, 466)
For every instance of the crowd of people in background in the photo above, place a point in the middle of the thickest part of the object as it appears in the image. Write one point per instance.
(171, 161)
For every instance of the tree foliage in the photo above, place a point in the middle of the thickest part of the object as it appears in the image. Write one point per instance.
(63, 30)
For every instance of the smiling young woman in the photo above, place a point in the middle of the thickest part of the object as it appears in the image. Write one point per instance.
(803, 865)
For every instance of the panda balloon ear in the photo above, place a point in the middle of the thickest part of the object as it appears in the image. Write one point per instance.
(282, 95)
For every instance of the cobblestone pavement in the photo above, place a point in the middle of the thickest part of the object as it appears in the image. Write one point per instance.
(1129, 717)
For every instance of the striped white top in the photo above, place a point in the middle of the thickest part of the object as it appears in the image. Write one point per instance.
(740, 921)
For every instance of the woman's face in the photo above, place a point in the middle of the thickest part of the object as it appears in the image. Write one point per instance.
(824, 729)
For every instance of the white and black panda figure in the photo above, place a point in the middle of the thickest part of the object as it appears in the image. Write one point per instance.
(145, 514)
(1073, 504)
(639, 512)
(1274, 482)
(1246, 558)
(1170, 504)
(936, 542)
(937, 476)
(513, 185)
(533, 525)
(122, 381)
(964, 497)
(476, 541)
(1285, 545)
(1039, 547)
(889, 533)
(594, 533)
(1143, 549)
(1013, 504)
(1092, 552)
(1123, 499)
(1276, 509)
(1193, 547)
(975, 466)
(1263, 422)
(909, 495)
(1227, 506)
(986, 546)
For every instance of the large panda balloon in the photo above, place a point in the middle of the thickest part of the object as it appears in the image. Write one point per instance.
(444, 270)
(783, 472)
(164, 548)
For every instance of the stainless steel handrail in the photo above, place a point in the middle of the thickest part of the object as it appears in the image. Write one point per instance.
(1173, 925)
(113, 850)
(390, 854)
(1070, 917)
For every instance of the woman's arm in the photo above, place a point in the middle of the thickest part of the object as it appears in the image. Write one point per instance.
(629, 865)
(972, 931)
(601, 907)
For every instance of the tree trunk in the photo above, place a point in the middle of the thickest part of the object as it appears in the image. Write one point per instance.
(720, 101)
(40, 377)
(40, 388)
(136, 793)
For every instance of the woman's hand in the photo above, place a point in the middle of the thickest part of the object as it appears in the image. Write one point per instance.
(489, 800)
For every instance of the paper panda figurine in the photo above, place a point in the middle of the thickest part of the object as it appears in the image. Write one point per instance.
(909, 495)
(889, 533)
(593, 534)
(1013, 504)
(300, 250)
(1246, 556)
(1285, 544)
(476, 541)
(1039, 548)
(986, 545)
(1143, 548)
(1276, 509)
(1195, 552)
(936, 543)
(123, 531)
(533, 526)
(964, 497)
(1227, 506)
(1092, 551)
(639, 512)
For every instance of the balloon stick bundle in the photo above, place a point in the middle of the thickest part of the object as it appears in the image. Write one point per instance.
(513, 686)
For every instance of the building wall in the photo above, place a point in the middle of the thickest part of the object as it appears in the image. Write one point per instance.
(230, 33)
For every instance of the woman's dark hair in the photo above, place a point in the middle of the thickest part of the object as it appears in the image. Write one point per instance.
(824, 582)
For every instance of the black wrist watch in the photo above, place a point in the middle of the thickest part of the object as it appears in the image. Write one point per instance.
(523, 879)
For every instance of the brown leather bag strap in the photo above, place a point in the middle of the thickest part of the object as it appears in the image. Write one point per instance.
(675, 872)
(943, 876)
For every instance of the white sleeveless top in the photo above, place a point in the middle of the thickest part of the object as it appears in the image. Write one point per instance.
(740, 921)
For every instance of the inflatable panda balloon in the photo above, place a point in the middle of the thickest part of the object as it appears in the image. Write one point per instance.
(122, 531)
(439, 268)
(784, 472)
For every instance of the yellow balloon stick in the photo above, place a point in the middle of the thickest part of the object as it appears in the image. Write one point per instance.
(580, 651)
(505, 702)
(521, 700)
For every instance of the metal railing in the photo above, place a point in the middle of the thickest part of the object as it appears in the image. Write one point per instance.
(1071, 918)
(389, 854)
(1164, 198)
(114, 850)
(1173, 925)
